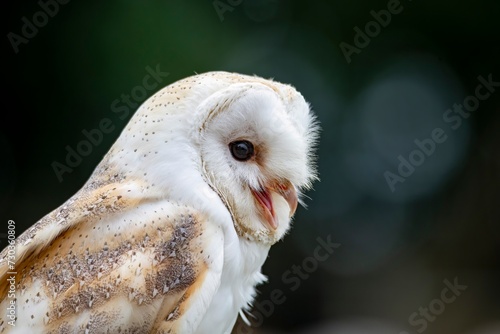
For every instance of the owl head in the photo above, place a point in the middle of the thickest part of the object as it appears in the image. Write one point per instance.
(235, 146)
(255, 140)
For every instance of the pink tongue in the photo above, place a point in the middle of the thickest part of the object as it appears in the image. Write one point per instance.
(266, 200)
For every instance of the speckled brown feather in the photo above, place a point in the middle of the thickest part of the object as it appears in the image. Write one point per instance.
(80, 272)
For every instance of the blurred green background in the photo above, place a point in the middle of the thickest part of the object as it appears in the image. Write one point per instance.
(396, 247)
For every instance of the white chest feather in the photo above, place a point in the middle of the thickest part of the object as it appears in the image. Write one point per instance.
(240, 275)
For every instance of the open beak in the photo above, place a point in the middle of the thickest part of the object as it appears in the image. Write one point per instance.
(264, 198)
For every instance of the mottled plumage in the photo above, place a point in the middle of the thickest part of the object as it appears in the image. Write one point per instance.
(171, 230)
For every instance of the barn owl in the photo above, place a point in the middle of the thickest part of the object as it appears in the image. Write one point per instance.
(170, 232)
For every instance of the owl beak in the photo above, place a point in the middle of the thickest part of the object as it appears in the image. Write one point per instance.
(264, 198)
(289, 193)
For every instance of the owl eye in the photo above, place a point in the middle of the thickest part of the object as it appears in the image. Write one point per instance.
(241, 150)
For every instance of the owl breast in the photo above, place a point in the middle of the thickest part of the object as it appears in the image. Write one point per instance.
(241, 273)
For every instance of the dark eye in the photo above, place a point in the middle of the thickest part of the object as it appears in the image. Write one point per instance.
(242, 150)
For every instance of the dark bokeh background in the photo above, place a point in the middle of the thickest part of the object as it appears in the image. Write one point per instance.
(396, 247)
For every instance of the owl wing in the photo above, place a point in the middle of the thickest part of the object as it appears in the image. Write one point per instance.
(111, 260)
